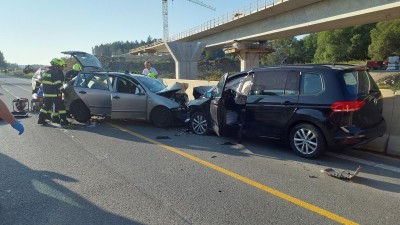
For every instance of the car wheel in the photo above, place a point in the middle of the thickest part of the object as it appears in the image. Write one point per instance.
(199, 123)
(80, 112)
(307, 141)
(161, 117)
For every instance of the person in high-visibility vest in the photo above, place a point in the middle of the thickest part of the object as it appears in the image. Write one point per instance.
(149, 71)
(52, 80)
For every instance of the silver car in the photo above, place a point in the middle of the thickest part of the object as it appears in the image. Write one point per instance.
(120, 95)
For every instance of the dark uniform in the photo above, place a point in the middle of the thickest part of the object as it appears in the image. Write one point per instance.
(70, 75)
(52, 80)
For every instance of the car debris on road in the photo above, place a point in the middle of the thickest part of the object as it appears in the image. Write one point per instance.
(348, 175)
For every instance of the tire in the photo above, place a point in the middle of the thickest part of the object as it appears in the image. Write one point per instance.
(80, 112)
(307, 141)
(199, 123)
(161, 117)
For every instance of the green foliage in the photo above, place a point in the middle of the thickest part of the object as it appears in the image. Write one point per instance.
(28, 69)
(310, 47)
(287, 50)
(385, 40)
(213, 54)
(343, 44)
(214, 69)
(119, 47)
(3, 63)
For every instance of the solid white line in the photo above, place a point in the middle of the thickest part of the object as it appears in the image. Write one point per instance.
(365, 162)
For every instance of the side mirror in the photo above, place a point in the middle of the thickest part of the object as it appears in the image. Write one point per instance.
(208, 94)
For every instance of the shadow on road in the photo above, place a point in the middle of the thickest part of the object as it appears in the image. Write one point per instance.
(35, 197)
(381, 185)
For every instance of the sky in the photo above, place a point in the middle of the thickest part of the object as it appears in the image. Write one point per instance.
(35, 31)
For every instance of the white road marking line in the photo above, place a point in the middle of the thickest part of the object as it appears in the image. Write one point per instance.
(366, 162)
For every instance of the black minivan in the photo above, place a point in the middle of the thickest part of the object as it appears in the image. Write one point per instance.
(312, 107)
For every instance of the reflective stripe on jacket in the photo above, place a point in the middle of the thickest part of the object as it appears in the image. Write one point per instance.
(52, 80)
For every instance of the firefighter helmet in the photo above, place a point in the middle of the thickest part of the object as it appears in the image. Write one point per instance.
(58, 62)
(77, 67)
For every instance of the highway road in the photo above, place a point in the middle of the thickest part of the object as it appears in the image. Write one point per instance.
(129, 172)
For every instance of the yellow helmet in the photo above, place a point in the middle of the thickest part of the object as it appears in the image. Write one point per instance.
(77, 67)
(58, 62)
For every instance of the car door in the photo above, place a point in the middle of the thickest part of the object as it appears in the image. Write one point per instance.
(129, 100)
(93, 89)
(272, 102)
(216, 106)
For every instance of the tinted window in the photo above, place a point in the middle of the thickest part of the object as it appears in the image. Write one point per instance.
(269, 83)
(275, 83)
(292, 83)
(357, 82)
(311, 83)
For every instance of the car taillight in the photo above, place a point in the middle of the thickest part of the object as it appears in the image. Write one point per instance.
(347, 106)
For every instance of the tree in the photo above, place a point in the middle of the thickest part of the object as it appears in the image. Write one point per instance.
(359, 41)
(3, 63)
(287, 50)
(310, 46)
(213, 54)
(332, 46)
(385, 39)
(341, 45)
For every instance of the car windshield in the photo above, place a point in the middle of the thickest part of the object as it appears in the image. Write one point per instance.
(152, 84)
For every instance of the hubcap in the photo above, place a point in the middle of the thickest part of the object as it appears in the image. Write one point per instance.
(199, 124)
(305, 141)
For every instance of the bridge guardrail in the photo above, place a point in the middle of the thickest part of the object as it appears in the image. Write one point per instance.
(241, 12)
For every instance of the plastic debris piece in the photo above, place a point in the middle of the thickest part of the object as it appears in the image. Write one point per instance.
(341, 175)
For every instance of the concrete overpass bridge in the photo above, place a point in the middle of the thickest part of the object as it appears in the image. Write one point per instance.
(246, 30)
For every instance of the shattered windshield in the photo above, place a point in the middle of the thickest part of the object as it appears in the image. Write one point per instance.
(152, 84)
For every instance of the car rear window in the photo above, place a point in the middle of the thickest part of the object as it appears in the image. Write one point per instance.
(357, 82)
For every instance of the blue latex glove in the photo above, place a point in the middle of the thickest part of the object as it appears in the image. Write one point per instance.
(18, 126)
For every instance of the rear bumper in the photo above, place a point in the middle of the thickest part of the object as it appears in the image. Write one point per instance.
(351, 136)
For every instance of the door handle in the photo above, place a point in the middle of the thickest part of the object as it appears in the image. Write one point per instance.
(286, 102)
(82, 92)
(116, 97)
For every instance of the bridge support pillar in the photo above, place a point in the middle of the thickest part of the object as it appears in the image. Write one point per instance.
(249, 60)
(186, 56)
(249, 53)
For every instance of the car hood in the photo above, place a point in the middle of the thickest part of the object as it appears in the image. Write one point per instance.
(197, 102)
(169, 91)
(166, 92)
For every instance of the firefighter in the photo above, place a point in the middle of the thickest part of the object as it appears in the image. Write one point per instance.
(52, 80)
(76, 68)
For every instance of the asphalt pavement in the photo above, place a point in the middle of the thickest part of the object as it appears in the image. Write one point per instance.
(129, 172)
